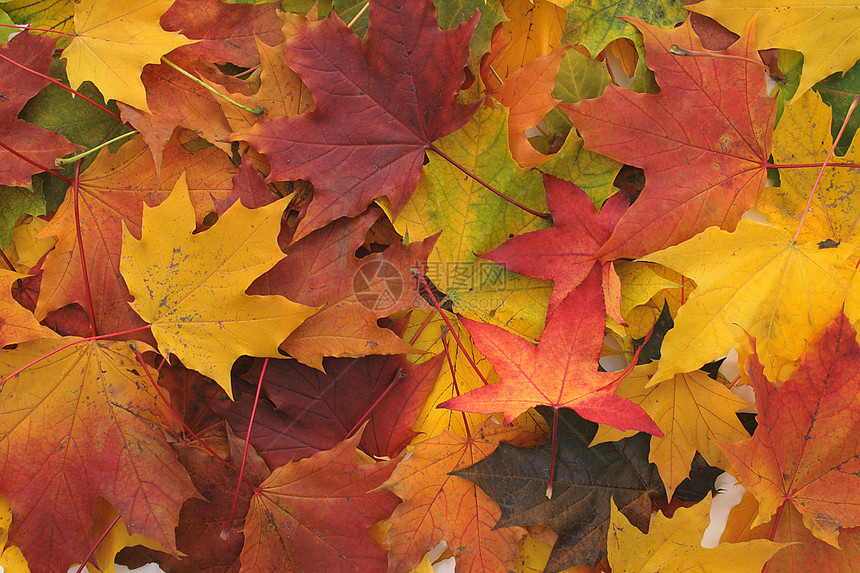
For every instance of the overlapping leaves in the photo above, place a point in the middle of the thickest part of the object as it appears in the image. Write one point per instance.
(173, 238)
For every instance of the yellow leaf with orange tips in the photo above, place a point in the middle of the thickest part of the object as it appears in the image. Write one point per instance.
(114, 41)
(191, 288)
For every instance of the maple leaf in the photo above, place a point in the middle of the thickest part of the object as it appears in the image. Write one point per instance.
(202, 521)
(781, 293)
(314, 411)
(17, 86)
(564, 253)
(586, 479)
(561, 371)
(322, 270)
(528, 96)
(175, 100)
(825, 32)
(114, 41)
(439, 506)
(225, 32)
(725, 104)
(379, 106)
(675, 546)
(805, 448)
(313, 515)
(803, 137)
(114, 188)
(534, 29)
(80, 424)
(190, 288)
(473, 220)
(693, 411)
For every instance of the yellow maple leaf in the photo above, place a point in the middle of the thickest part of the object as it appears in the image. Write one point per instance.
(114, 41)
(755, 279)
(675, 546)
(826, 32)
(803, 136)
(191, 288)
(693, 411)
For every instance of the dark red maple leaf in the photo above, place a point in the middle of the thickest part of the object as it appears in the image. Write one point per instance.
(316, 410)
(703, 141)
(17, 86)
(378, 107)
(564, 253)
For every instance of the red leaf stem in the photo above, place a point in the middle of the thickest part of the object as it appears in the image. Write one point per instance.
(441, 154)
(62, 85)
(454, 379)
(225, 533)
(97, 543)
(182, 421)
(28, 28)
(824, 165)
(75, 191)
(366, 415)
(32, 162)
(448, 323)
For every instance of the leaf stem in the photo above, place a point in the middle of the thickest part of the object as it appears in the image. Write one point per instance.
(9, 263)
(398, 375)
(801, 165)
(63, 347)
(554, 451)
(258, 111)
(359, 15)
(35, 163)
(454, 379)
(677, 50)
(448, 324)
(496, 74)
(836, 139)
(28, 28)
(181, 420)
(99, 542)
(75, 194)
(68, 160)
(225, 533)
(441, 154)
(59, 83)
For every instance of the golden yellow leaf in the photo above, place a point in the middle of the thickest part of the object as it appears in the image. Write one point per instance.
(826, 32)
(675, 546)
(114, 41)
(191, 288)
(755, 279)
(693, 411)
(803, 136)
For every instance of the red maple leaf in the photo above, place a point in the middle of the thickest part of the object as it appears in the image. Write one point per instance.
(806, 448)
(378, 107)
(564, 253)
(703, 141)
(561, 371)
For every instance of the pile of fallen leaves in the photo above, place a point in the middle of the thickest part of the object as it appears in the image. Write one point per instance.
(316, 288)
